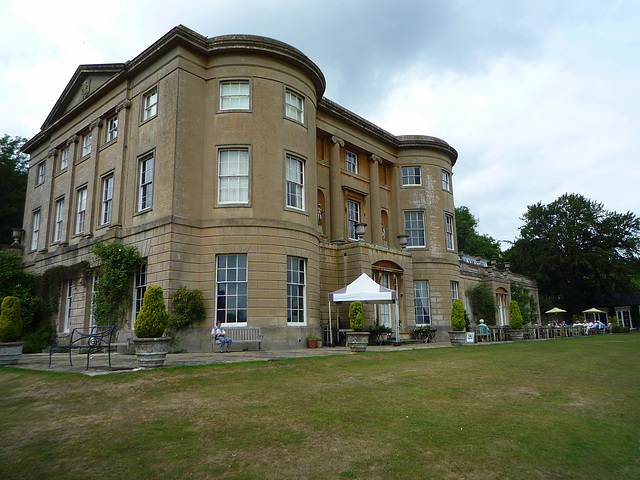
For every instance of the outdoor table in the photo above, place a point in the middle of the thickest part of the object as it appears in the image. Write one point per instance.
(497, 334)
(382, 337)
(431, 335)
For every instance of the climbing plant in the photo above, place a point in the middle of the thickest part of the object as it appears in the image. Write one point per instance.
(188, 307)
(526, 301)
(482, 304)
(117, 265)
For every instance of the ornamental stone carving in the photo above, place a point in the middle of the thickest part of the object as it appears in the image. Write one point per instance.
(338, 140)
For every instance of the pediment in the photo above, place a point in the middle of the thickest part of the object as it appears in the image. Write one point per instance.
(85, 81)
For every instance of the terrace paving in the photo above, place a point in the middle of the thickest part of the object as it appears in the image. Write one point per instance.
(99, 363)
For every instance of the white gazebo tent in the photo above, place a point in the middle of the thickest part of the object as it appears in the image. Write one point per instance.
(365, 290)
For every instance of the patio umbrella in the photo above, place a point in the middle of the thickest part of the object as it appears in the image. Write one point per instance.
(593, 310)
(556, 310)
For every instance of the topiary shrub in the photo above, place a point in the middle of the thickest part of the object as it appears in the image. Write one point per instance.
(356, 317)
(188, 307)
(153, 318)
(515, 316)
(10, 320)
(457, 316)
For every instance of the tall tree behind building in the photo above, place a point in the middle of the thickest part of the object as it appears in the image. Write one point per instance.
(470, 240)
(578, 251)
(13, 185)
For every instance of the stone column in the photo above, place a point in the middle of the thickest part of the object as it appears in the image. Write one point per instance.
(397, 220)
(374, 186)
(335, 194)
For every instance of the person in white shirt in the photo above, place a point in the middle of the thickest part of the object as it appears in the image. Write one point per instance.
(219, 334)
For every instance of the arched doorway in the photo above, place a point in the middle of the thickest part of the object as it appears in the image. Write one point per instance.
(502, 302)
(387, 274)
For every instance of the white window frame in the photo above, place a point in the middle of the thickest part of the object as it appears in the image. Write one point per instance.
(59, 218)
(449, 229)
(35, 230)
(411, 176)
(235, 95)
(446, 181)
(353, 218)
(233, 176)
(150, 104)
(232, 272)
(146, 166)
(414, 228)
(294, 106)
(112, 128)
(385, 309)
(139, 288)
(64, 158)
(296, 291)
(86, 144)
(351, 160)
(81, 210)
(67, 307)
(41, 173)
(295, 182)
(92, 317)
(107, 200)
(455, 291)
(624, 317)
(422, 302)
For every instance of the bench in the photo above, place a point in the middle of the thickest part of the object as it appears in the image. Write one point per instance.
(91, 339)
(244, 336)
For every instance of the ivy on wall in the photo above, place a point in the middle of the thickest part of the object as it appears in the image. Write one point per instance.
(483, 304)
(117, 265)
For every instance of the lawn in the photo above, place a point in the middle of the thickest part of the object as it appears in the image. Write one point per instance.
(565, 408)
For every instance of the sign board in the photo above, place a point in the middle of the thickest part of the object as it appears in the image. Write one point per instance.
(471, 337)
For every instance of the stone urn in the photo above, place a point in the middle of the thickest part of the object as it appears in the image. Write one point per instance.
(152, 352)
(357, 341)
(10, 352)
(458, 337)
(516, 334)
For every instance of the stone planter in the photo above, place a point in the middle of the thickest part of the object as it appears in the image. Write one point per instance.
(515, 334)
(357, 341)
(151, 352)
(10, 352)
(458, 337)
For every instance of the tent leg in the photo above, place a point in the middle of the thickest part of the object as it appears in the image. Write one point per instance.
(330, 329)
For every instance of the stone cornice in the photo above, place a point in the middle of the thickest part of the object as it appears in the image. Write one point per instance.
(404, 141)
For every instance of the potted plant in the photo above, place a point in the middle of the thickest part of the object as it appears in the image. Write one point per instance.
(357, 338)
(312, 342)
(10, 331)
(151, 346)
(515, 322)
(457, 334)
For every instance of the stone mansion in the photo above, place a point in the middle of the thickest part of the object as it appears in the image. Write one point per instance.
(220, 160)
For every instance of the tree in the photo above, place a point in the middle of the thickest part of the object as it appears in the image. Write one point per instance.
(457, 316)
(13, 185)
(470, 240)
(515, 316)
(578, 251)
(153, 318)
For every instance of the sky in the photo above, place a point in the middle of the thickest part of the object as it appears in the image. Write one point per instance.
(539, 97)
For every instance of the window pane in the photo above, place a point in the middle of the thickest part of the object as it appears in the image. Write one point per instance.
(295, 290)
(231, 288)
(414, 229)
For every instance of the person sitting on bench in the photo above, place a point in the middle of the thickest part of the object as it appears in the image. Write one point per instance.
(219, 334)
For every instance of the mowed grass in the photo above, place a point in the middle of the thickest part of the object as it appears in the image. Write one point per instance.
(566, 408)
